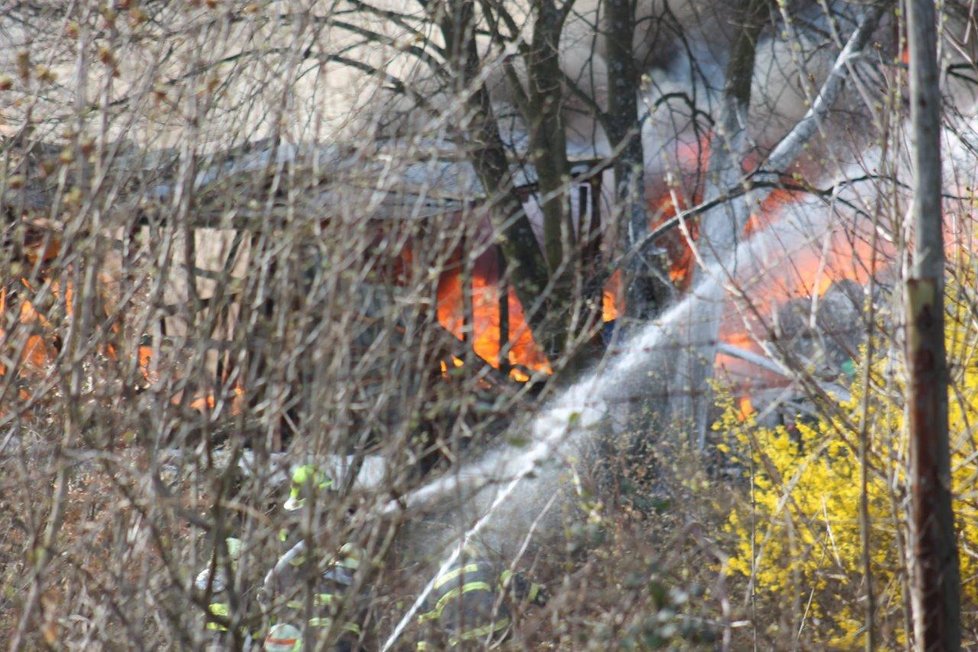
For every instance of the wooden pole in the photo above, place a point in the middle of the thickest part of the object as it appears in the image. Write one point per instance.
(936, 582)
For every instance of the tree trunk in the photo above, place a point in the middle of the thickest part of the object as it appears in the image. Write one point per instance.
(646, 288)
(525, 260)
(548, 153)
(722, 227)
(936, 583)
(548, 144)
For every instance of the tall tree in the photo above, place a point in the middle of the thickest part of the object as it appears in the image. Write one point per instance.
(457, 22)
(536, 82)
(730, 195)
(722, 227)
(646, 289)
(936, 582)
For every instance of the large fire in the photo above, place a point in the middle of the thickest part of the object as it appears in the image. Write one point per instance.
(482, 327)
(806, 273)
(809, 272)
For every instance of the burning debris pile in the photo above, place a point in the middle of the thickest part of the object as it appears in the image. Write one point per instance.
(824, 333)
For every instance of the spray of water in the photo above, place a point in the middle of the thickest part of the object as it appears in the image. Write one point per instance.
(582, 407)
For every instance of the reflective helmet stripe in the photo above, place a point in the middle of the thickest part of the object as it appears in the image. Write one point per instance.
(283, 637)
(283, 641)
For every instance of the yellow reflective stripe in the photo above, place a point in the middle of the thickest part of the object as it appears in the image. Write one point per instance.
(435, 613)
(322, 599)
(476, 632)
(460, 590)
(218, 609)
(453, 574)
(531, 595)
(481, 632)
(429, 615)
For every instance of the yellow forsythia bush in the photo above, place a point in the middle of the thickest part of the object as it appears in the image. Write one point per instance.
(797, 535)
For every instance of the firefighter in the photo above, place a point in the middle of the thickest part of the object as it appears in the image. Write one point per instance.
(332, 600)
(335, 600)
(308, 482)
(217, 587)
(470, 604)
(331, 588)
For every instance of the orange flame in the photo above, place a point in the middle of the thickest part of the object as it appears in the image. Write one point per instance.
(745, 408)
(805, 273)
(611, 298)
(484, 329)
(37, 352)
(207, 402)
(771, 209)
(680, 254)
(666, 199)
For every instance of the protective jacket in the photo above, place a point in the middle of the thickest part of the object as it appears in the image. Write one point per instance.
(331, 598)
(470, 603)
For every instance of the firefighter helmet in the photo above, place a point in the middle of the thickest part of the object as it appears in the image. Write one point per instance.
(283, 637)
